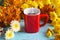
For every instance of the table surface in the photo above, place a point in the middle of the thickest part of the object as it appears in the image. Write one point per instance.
(41, 35)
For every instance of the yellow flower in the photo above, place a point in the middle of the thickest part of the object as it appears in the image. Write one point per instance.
(24, 6)
(46, 2)
(57, 29)
(29, 4)
(58, 21)
(9, 34)
(55, 1)
(58, 11)
(33, 4)
(49, 34)
(53, 23)
(57, 6)
(53, 16)
(37, 0)
(28, 0)
(41, 5)
(56, 25)
(15, 25)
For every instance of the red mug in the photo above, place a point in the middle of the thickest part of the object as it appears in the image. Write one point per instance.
(32, 19)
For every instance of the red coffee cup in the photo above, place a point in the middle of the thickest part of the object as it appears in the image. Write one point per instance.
(32, 19)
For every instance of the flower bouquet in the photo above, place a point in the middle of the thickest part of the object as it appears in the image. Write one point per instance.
(8, 12)
(11, 11)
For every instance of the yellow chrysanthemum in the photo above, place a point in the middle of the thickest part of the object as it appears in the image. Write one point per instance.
(9, 34)
(46, 2)
(55, 1)
(58, 21)
(33, 4)
(57, 6)
(53, 23)
(56, 25)
(41, 5)
(49, 34)
(28, 0)
(24, 6)
(57, 29)
(53, 16)
(29, 4)
(15, 25)
(58, 11)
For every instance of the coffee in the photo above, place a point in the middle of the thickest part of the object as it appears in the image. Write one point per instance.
(31, 14)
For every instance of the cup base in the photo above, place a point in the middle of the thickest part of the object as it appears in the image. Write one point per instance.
(31, 32)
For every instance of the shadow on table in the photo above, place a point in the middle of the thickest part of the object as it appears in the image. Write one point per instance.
(22, 29)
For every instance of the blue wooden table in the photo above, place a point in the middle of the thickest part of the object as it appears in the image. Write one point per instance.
(41, 35)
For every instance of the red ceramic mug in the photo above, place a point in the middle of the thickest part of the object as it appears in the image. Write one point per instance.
(32, 19)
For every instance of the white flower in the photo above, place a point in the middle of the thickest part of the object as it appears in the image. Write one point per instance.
(15, 25)
(9, 34)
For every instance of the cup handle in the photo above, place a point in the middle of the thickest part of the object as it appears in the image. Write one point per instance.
(42, 16)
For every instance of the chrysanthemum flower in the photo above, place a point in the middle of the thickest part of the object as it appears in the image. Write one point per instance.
(58, 11)
(24, 6)
(9, 34)
(53, 23)
(57, 29)
(56, 25)
(53, 16)
(55, 2)
(41, 5)
(15, 25)
(29, 4)
(46, 2)
(49, 34)
(58, 21)
(33, 4)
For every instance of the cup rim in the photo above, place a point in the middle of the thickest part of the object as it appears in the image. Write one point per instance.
(28, 10)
